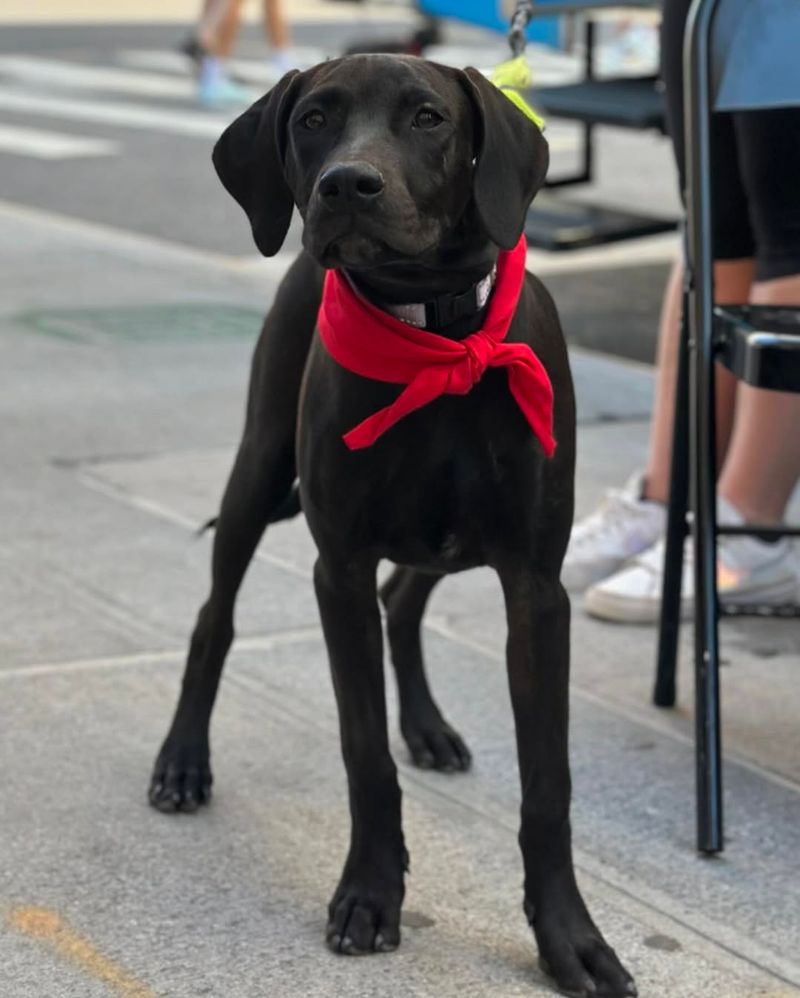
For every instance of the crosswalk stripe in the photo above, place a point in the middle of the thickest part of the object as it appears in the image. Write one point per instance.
(118, 114)
(54, 72)
(548, 66)
(253, 70)
(30, 81)
(52, 145)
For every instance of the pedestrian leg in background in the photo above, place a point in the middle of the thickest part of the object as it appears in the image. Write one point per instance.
(210, 47)
(277, 35)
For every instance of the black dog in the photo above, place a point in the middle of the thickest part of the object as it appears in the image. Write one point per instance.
(409, 177)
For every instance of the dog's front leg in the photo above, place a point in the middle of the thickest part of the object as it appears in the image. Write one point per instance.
(571, 947)
(364, 914)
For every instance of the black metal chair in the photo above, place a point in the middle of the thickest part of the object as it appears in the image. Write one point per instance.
(738, 55)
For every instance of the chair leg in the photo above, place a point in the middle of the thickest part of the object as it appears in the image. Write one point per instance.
(669, 627)
(707, 695)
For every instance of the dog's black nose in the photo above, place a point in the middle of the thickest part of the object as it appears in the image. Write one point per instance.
(350, 184)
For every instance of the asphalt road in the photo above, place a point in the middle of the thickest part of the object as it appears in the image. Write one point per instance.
(101, 124)
(140, 145)
(128, 87)
(156, 177)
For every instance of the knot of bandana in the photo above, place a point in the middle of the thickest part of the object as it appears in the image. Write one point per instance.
(465, 374)
(368, 342)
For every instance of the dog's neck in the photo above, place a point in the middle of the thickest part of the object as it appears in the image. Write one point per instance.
(445, 296)
(451, 314)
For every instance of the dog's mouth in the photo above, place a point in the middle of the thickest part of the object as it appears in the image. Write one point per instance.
(354, 251)
(363, 251)
(361, 242)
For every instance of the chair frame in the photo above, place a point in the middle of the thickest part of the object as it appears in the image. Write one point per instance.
(694, 459)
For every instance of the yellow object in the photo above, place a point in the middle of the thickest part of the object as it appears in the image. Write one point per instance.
(513, 76)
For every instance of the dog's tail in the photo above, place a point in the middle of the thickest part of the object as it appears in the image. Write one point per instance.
(288, 508)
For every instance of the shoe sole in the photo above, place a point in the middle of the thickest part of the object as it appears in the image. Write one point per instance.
(607, 606)
(578, 580)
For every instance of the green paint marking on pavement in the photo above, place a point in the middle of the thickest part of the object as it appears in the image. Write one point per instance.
(193, 320)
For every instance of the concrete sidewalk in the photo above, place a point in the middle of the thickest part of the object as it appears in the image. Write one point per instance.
(124, 363)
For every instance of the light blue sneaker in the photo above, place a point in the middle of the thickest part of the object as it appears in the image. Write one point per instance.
(217, 90)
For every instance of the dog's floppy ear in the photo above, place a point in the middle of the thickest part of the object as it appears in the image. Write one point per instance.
(249, 158)
(511, 160)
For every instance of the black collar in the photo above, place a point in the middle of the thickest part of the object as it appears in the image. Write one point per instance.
(444, 310)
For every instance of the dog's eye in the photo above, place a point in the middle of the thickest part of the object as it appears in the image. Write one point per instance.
(426, 118)
(313, 121)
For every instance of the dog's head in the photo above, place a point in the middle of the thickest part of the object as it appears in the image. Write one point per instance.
(385, 157)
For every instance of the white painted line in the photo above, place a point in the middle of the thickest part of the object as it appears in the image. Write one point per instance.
(259, 71)
(616, 359)
(118, 114)
(661, 248)
(160, 511)
(548, 67)
(649, 250)
(41, 144)
(55, 73)
(50, 74)
(632, 894)
(184, 12)
(123, 241)
(635, 895)
(658, 249)
(159, 60)
(267, 642)
(149, 249)
(438, 625)
(643, 718)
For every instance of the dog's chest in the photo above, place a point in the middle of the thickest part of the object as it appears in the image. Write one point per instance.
(440, 504)
(442, 489)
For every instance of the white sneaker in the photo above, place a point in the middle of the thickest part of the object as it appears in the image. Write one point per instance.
(622, 526)
(748, 571)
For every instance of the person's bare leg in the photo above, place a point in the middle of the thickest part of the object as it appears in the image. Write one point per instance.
(656, 482)
(732, 283)
(215, 13)
(228, 29)
(275, 23)
(763, 463)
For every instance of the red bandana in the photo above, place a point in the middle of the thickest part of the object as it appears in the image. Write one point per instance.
(370, 343)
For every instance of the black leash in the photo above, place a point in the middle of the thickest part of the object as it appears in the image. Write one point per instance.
(520, 20)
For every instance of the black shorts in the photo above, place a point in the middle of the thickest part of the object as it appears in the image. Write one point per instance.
(755, 167)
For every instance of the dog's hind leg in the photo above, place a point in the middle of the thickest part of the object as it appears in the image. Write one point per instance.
(259, 491)
(432, 742)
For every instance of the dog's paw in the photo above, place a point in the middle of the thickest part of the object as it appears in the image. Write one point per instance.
(433, 744)
(181, 779)
(581, 962)
(364, 915)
